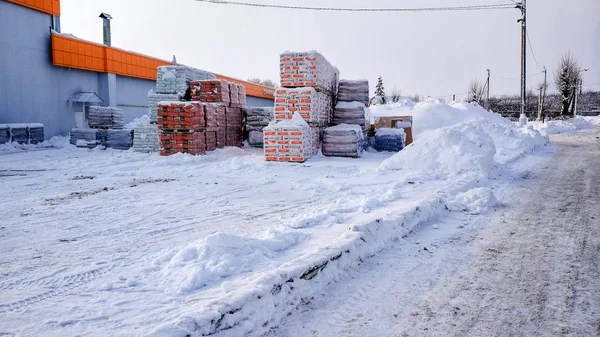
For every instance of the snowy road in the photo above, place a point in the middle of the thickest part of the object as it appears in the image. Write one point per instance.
(531, 268)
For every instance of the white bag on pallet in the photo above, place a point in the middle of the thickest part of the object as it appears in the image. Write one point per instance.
(307, 69)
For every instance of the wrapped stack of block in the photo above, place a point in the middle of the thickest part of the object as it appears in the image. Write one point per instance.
(234, 126)
(146, 138)
(343, 140)
(312, 105)
(18, 133)
(4, 134)
(308, 69)
(291, 140)
(256, 120)
(35, 133)
(212, 91)
(154, 99)
(89, 138)
(119, 139)
(349, 113)
(101, 117)
(216, 125)
(182, 128)
(390, 139)
(353, 91)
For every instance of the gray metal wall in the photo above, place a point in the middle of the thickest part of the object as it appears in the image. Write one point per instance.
(259, 102)
(31, 88)
(132, 96)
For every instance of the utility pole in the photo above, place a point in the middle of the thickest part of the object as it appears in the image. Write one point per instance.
(487, 101)
(543, 112)
(523, 20)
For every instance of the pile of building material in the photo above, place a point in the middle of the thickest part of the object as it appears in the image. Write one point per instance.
(35, 133)
(182, 128)
(314, 106)
(119, 139)
(256, 120)
(213, 91)
(101, 117)
(308, 69)
(177, 79)
(4, 134)
(349, 113)
(89, 138)
(154, 99)
(291, 140)
(146, 138)
(353, 91)
(234, 126)
(18, 133)
(343, 140)
(390, 139)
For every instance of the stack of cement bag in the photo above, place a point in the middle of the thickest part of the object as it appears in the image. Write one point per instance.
(354, 91)
(106, 117)
(343, 140)
(35, 132)
(390, 139)
(146, 138)
(4, 134)
(89, 138)
(308, 69)
(349, 113)
(177, 79)
(154, 99)
(256, 120)
(18, 133)
(119, 139)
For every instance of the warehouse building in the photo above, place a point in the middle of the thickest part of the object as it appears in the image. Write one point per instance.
(47, 77)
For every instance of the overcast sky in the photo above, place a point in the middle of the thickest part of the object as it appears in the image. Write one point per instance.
(432, 54)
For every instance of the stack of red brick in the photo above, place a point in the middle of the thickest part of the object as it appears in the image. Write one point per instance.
(182, 128)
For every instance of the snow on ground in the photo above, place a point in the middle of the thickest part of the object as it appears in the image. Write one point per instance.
(121, 243)
(566, 126)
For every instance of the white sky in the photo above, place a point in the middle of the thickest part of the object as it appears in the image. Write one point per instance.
(432, 54)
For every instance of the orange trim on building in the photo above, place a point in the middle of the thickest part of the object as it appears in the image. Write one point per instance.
(80, 54)
(47, 6)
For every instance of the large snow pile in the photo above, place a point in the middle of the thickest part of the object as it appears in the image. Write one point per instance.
(567, 126)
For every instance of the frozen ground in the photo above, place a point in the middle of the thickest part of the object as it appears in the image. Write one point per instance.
(100, 243)
(530, 268)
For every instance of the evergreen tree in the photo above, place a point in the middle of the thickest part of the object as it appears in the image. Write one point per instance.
(380, 90)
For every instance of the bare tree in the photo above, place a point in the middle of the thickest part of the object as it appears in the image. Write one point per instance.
(396, 95)
(566, 79)
(476, 89)
(266, 83)
(416, 98)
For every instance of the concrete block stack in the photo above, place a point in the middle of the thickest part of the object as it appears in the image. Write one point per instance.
(343, 140)
(353, 91)
(256, 120)
(350, 113)
(89, 138)
(182, 128)
(4, 134)
(35, 133)
(177, 79)
(154, 99)
(212, 91)
(390, 139)
(242, 96)
(291, 140)
(234, 126)
(119, 139)
(146, 138)
(18, 133)
(106, 117)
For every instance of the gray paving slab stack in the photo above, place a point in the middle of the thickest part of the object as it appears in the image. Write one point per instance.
(119, 139)
(18, 133)
(257, 118)
(106, 117)
(146, 138)
(4, 134)
(35, 132)
(89, 138)
(353, 91)
(343, 140)
(349, 113)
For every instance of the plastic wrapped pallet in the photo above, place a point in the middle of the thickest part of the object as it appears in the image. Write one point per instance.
(212, 91)
(88, 137)
(18, 133)
(106, 117)
(353, 91)
(390, 139)
(176, 79)
(146, 138)
(343, 140)
(307, 69)
(314, 106)
(4, 134)
(257, 118)
(291, 140)
(119, 139)
(349, 113)
(35, 133)
(242, 95)
(182, 127)
(154, 99)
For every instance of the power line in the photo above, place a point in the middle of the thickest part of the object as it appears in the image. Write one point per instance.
(419, 9)
(532, 52)
(516, 79)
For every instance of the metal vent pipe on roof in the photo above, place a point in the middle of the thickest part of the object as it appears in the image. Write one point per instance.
(106, 28)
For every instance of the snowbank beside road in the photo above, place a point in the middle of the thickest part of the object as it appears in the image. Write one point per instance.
(566, 126)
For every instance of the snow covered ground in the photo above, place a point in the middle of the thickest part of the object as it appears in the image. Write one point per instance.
(123, 244)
